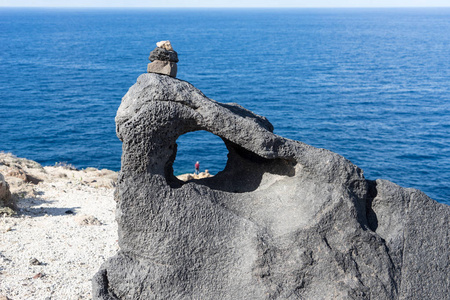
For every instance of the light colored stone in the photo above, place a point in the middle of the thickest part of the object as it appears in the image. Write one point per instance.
(87, 220)
(165, 45)
(17, 172)
(187, 177)
(6, 211)
(4, 188)
(163, 67)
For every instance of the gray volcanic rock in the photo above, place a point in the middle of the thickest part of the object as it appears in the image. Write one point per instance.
(283, 220)
(163, 54)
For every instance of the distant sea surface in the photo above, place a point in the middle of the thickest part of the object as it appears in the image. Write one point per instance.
(370, 84)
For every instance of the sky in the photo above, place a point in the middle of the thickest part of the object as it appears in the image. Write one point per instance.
(225, 3)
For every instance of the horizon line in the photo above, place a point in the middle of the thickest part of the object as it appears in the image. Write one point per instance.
(175, 7)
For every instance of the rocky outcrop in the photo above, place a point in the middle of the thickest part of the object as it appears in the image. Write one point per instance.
(283, 220)
(23, 175)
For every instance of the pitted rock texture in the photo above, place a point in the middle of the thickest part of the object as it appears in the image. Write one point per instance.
(163, 54)
(283, 220)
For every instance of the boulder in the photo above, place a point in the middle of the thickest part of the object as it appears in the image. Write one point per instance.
(5, 194)
(164, 55)
(283, 220)
(7, 204)
(186, 177)
(163, 67)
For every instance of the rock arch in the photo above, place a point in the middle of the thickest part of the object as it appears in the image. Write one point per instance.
(284, 220)
(173, 110)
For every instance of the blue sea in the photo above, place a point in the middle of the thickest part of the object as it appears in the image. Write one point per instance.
(370, 84)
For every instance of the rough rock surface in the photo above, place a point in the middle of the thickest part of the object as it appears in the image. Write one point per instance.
(164, 55)
(5, 194)
(6, 202)
(163, 67)
(283, 220)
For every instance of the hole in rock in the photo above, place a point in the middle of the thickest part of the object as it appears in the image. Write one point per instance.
(202, 146)
(235, 169)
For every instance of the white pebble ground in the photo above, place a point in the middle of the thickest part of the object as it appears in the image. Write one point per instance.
(69, 251)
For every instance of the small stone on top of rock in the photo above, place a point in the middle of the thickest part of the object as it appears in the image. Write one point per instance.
(163, 60)
(165, 45)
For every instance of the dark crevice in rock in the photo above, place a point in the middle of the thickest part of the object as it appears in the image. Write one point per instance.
(172, 181)
(102, 289)
(371, 216)
(326, 242)
(394, 272)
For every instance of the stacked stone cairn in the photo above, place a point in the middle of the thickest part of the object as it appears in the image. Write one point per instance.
(163, 60)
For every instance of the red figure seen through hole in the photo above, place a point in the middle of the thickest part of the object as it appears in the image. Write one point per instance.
(197, 168)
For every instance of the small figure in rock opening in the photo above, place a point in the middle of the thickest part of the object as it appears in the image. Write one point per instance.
(197, 168)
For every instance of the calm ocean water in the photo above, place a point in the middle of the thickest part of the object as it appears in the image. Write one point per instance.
(371, 85)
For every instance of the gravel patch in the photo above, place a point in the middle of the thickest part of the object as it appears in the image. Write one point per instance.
(63, 231)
